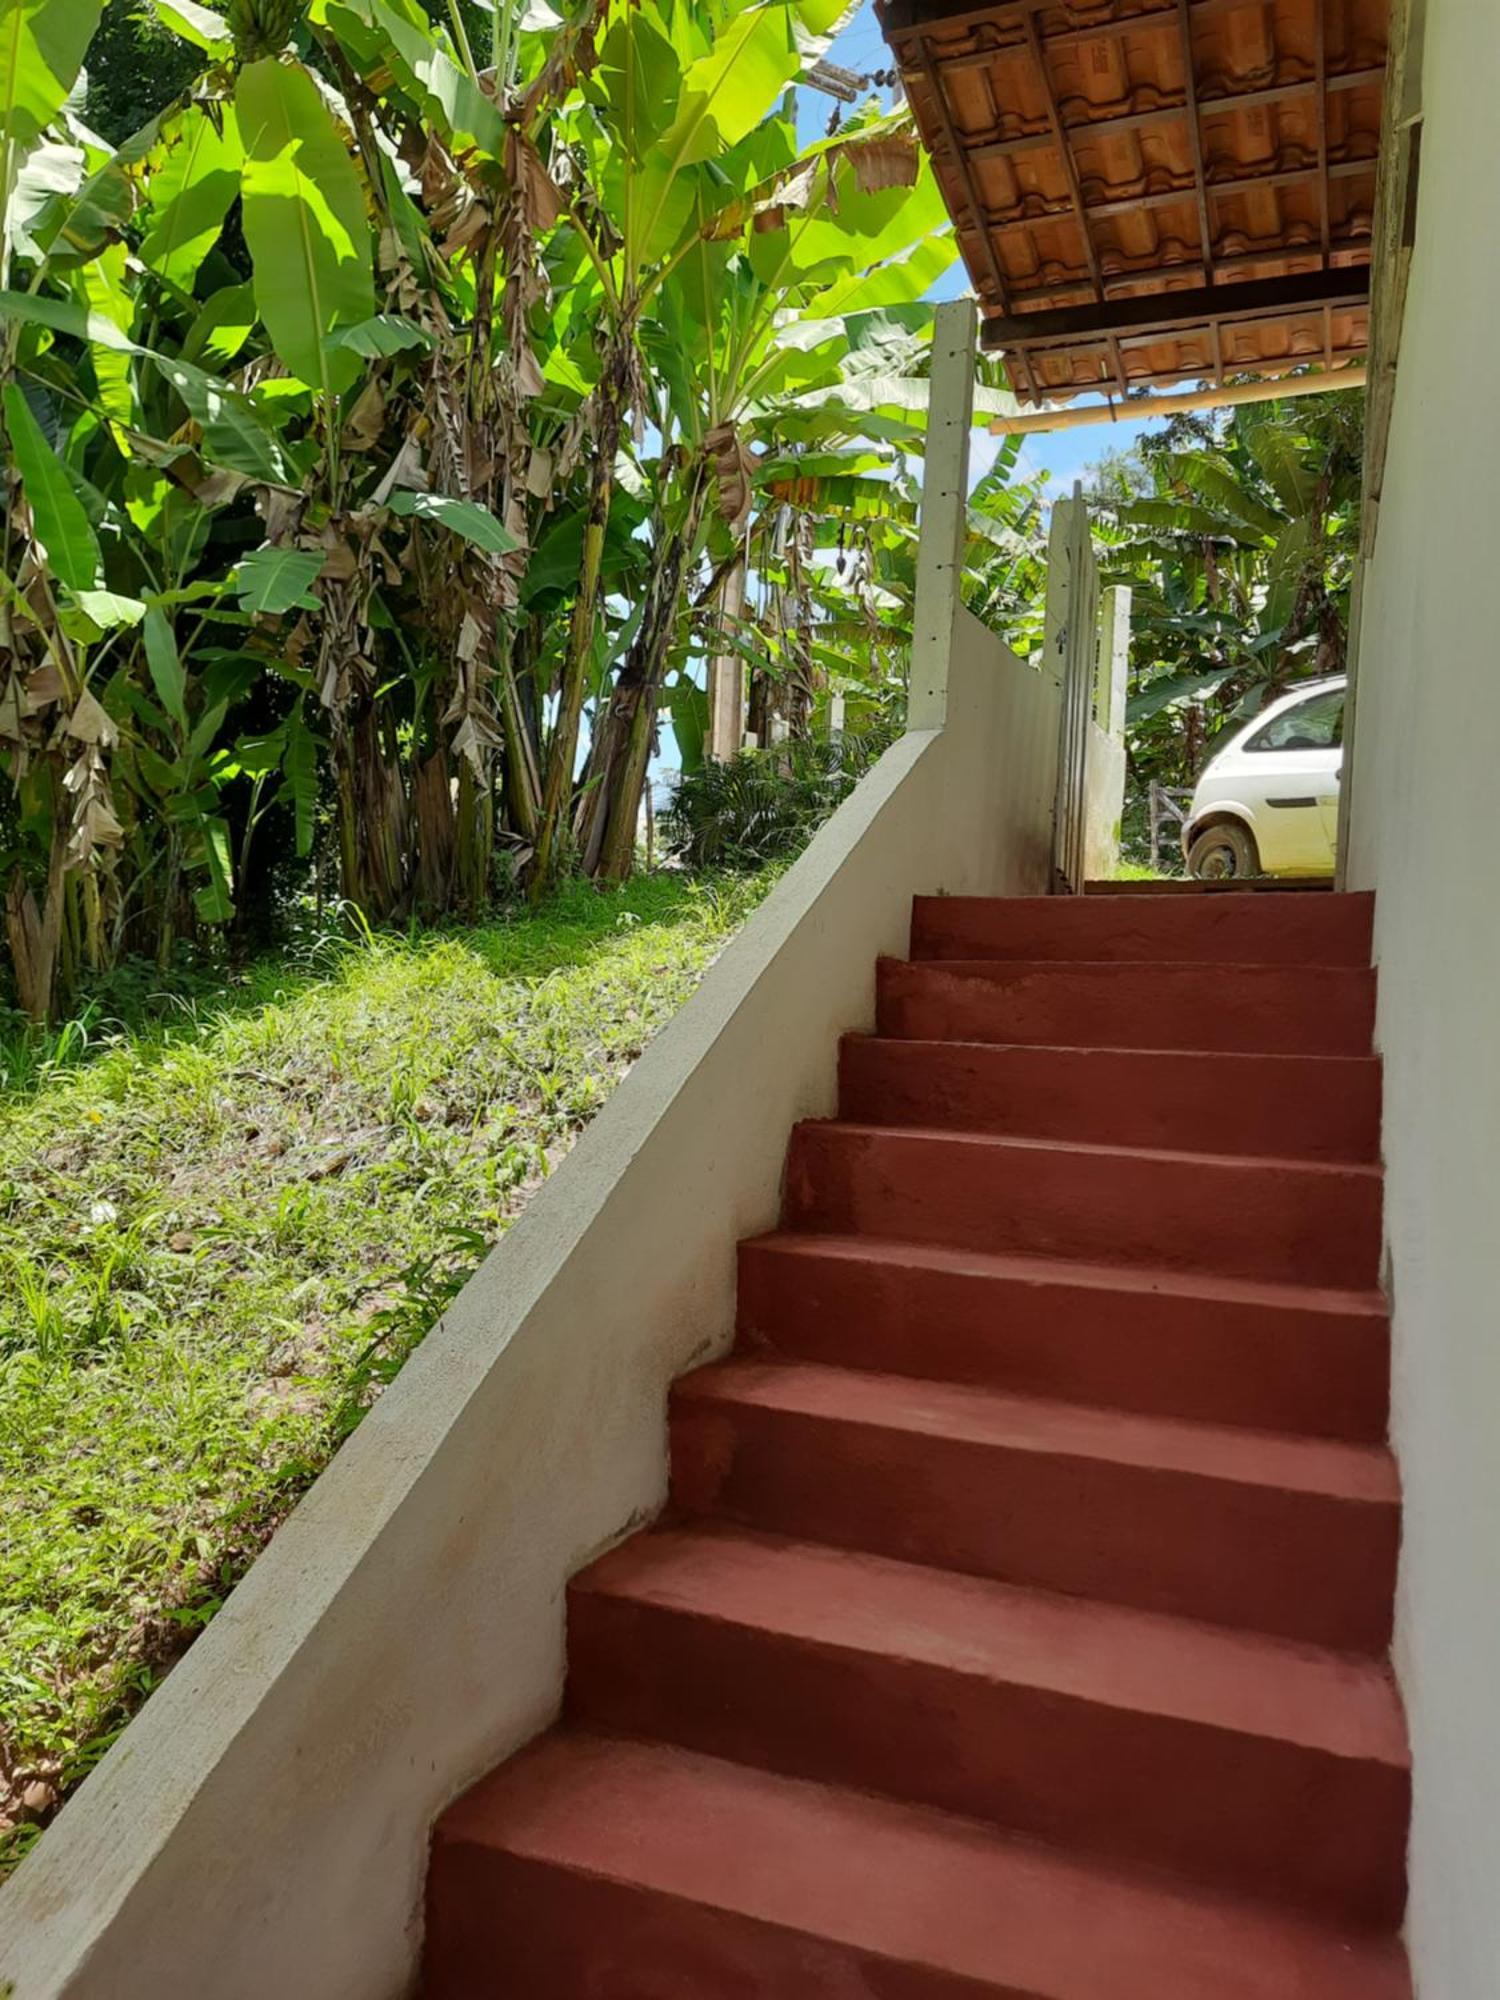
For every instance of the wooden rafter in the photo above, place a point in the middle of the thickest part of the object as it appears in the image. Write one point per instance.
(1320, 59)
(1252, 298)
(960, 158)
(1168, 277)
(966, 173)
(1195, 136)
(1075, 186)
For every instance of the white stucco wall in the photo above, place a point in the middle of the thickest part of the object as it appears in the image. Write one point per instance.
(261, 1827)
(1422, 834)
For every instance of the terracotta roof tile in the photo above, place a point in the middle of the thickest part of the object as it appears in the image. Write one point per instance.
(1098, 151)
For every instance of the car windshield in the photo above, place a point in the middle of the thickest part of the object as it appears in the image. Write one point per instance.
(1315, 724)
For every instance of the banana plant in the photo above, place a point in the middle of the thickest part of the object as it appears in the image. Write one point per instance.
(673, 129)
(1239, 539)
(404, 385)
(749, 301)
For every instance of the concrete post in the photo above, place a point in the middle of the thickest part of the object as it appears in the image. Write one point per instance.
(1114, 659)
(945, 500)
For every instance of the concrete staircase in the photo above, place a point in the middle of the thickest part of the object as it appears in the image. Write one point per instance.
(1019, 1624)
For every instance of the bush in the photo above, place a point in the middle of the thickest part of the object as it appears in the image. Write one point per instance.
(765, 805)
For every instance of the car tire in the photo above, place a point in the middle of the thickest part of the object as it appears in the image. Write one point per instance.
(1224, 852)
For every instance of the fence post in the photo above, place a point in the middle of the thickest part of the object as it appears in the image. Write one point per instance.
(942, 524)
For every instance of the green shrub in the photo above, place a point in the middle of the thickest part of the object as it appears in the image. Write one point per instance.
(765, 805)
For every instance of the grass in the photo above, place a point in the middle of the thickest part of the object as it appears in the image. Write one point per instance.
(221, 1231)
(1142, 871)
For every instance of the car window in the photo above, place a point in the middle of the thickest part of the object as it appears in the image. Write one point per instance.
(1315, 724)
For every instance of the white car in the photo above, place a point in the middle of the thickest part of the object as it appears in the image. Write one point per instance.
(1268, 802)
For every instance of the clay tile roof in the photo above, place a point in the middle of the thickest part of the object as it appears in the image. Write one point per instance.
(1148, 190)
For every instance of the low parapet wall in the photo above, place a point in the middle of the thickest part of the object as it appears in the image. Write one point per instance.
(261, 1827)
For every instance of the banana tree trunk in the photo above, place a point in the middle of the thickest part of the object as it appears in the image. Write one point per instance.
(35, 935)
(371, 815)
(432, 809)
(557, 797)
(625, 753)
(476, 838)
(523, 790)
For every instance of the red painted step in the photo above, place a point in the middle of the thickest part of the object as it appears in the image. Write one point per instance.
(1307, 1107)
(637, 1871)
(1148, 1740)
(1298, 1221)
(1020, 1630)
(1274, 928)
(1222, 1350)
(1271, 1009)
(1289, 1536)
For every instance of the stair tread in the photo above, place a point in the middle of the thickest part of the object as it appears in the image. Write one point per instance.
(901, 1884)
(1266, 887)
(974, 1413)
(1217, 969)
(1271, 1163)
(1111, 1051)
(1210, 1287)
(1073, 1647)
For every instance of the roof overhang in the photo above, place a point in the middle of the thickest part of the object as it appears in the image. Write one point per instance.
(1148, 191)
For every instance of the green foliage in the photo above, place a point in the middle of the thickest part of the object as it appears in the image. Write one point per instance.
(1238, 536)
(389, 419)
(764, 805)
(398, 407)
(138, 62)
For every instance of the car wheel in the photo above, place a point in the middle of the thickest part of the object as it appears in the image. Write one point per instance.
(1224, 853)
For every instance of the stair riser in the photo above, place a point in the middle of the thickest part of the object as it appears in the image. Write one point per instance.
(1310, 1011)
(1323, 1374)
(1321, 1832)
(1283, 1106)
(1276, 1220)
(1266, 1559)
(1295, 929)
(501, 1924)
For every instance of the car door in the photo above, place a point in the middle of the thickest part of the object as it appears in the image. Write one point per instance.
(1292, 764)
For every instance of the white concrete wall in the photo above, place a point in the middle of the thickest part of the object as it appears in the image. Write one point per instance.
(1422, 834)
(261, 1828)
(1103, 805)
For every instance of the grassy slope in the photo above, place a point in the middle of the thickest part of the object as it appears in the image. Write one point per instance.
(216, 1244)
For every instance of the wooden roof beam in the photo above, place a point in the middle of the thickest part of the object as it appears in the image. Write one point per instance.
(1252, 298)
(1271, 389)
(1171, 275)
(1195, 133)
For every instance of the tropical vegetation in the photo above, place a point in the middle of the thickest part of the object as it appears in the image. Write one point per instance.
(1238, 535)
(392, 425)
